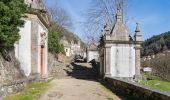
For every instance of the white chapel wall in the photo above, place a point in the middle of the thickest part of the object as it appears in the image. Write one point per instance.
(93, 55)
(122, 61)
(23, 48)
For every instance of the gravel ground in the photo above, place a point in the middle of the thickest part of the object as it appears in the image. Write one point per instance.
(77, 89)
(76, 81)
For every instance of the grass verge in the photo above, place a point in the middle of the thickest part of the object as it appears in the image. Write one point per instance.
(31, 92)
(156, 84)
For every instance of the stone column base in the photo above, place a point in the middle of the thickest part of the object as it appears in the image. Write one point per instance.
(107, 75)
(138, 77)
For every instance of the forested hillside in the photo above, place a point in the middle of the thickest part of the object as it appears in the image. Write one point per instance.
(160, 64)
(156, 44)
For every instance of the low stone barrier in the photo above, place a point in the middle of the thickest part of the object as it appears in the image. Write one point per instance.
(11, 88)
(134, 89)
(18, 85)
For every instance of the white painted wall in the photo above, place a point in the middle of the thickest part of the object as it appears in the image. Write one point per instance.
(75, 49)
(84, 55)
(92, 55)
(122, 61)
(16, 45)
(67, 51)
(23, 48)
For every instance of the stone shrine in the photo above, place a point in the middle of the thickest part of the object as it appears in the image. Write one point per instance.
(32, 48)
(120, 55)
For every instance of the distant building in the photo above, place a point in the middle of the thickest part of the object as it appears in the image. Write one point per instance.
(75, 48)
(66, 45)
(92, 52)
(32, 48)
(71, 48)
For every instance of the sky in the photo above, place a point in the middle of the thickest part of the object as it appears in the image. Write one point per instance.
(153, 16)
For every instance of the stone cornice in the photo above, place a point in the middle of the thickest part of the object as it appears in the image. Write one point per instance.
(122, 42)
(41, 14)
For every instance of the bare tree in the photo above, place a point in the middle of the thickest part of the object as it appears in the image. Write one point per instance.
(59, 16)
(100, 13)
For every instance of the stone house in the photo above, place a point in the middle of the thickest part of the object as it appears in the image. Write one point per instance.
(32, 48)
(92, 51)
(119, 55)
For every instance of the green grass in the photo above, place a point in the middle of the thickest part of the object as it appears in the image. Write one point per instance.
(31, 92)
(109, 98)
(156, 84)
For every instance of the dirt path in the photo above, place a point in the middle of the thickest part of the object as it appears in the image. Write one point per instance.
(79, 85)
(77, 89)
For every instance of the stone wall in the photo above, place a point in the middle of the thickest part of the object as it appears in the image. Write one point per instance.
(131, 88)
(9, 69)
(12, 88)
(17, 85)
(56, 68)
(11, 76)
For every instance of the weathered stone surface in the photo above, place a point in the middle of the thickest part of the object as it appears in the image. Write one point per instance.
(61, 58)
(34, 47)
(10, 70)
(141, 92)
(56, 68)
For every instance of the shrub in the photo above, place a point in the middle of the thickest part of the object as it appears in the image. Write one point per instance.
(54, 45)
(11, 12)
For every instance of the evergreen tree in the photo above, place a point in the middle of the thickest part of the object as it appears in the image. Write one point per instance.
(11, 12)
(156, 44)
(54, 45)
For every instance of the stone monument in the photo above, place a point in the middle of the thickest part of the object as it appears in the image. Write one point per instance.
(32, 48)
(119, 55)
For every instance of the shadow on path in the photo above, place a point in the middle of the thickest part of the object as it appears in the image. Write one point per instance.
(85, 71)
(81, 70)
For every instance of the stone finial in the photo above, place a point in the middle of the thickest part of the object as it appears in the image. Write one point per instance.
(137, 27)
(137, 33)
(106, 29)
(119, 15)
(35, 4)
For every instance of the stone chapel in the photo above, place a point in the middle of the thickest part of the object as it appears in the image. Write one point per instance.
(119, 55)
(32, 48)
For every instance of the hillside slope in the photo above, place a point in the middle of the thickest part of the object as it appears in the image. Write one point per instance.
(156, 44)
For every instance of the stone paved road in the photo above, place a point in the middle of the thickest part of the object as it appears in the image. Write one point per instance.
(77, 89)
(79, 85)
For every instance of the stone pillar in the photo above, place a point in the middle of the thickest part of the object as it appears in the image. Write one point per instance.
(107, 61)
(101, 62)
(137, 51)
(34, 47)
(137, 62)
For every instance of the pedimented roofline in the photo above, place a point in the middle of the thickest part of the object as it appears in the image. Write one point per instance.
(41, 14)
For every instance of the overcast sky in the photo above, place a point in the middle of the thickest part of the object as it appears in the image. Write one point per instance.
(152, 15)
